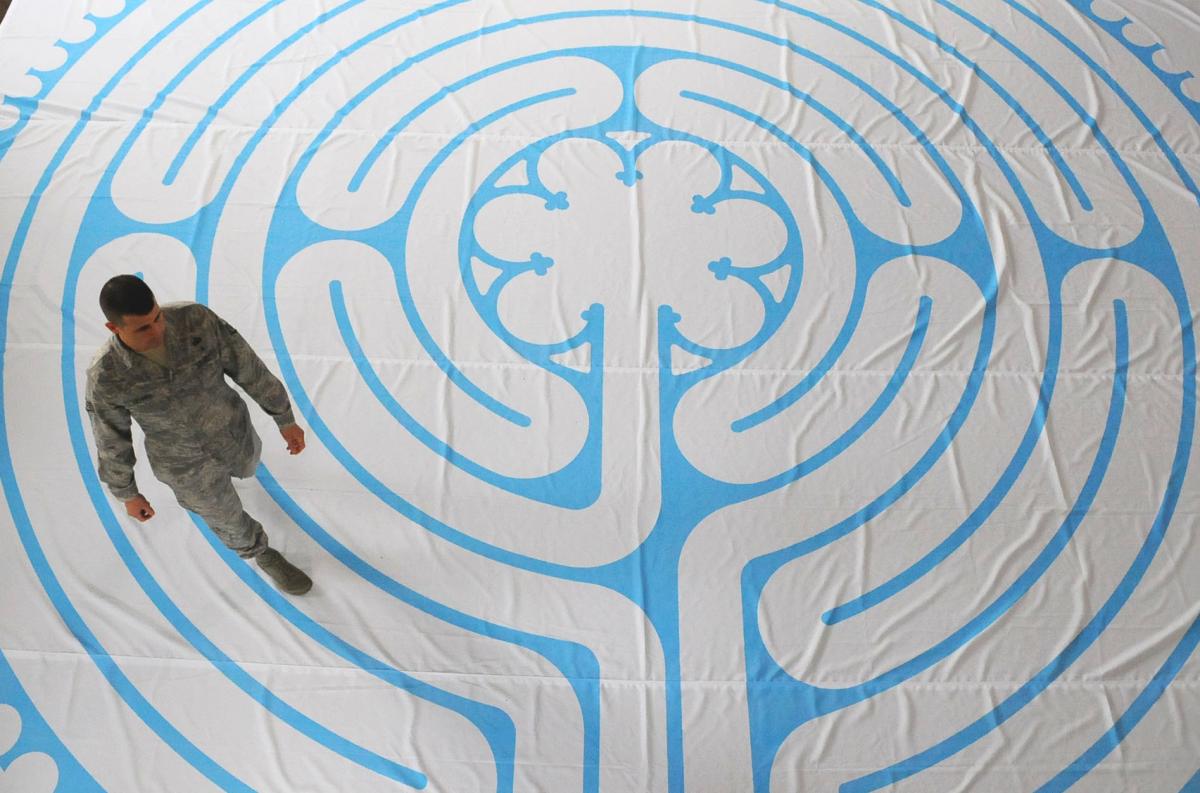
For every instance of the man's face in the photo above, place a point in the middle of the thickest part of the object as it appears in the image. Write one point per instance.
(141, 332)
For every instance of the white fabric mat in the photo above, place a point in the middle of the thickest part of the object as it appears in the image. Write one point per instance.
(707, 396)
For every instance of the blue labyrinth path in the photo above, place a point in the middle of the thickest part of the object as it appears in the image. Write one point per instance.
(703, 396)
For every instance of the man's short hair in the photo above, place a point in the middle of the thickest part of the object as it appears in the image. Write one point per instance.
(125, 295)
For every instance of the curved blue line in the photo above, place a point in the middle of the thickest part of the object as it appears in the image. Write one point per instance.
(364, 167)
(1020, 587)
(1115, 28)
(228, 94)
(190, 67)
(388, 496)
(796, 392)
(862, 143)
(443, 361)
(1009, 99)
(891, 390)
(815, 375)
(1130, 718)
(396, 410)
(49, 78)
(777, 559)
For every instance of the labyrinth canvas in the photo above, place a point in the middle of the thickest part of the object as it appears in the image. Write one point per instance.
(701, 396)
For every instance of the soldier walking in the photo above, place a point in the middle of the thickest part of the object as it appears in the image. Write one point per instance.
(166, 367)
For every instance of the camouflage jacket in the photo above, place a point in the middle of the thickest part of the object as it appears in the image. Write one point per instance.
(188, 411)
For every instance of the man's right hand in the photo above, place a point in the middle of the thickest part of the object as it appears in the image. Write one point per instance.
(139, 508)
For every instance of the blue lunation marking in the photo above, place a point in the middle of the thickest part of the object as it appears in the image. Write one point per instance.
(37, 736)
(1192, 785)
(49, 78)
(1182, 172)
(1144, 52)
(237, 85)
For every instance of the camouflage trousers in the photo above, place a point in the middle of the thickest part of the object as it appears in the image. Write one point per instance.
(207, 490)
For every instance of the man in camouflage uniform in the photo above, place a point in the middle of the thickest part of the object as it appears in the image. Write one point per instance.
(166, 368)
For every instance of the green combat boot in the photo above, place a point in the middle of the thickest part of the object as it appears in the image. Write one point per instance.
(287, 576)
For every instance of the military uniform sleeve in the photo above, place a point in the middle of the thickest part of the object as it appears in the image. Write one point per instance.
(114, 444)
(242, 364)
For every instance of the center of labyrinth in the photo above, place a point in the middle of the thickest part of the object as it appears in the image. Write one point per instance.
(633, 223)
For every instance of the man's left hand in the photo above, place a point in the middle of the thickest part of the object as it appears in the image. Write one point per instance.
(294, 437)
